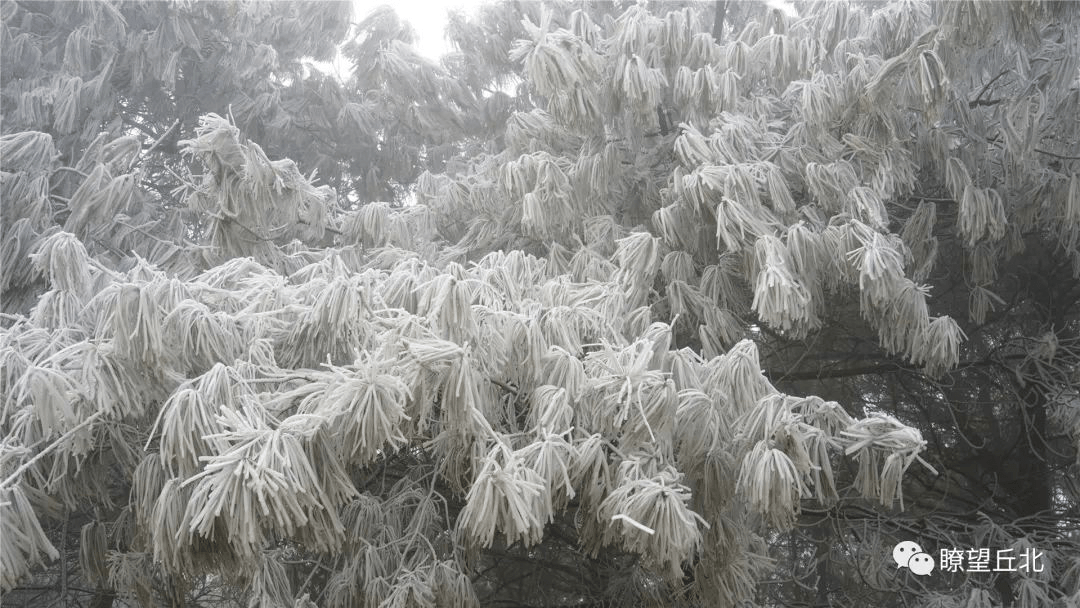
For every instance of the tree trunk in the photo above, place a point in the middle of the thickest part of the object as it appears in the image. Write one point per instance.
(718, 20)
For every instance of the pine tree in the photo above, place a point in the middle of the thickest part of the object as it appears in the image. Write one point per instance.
(651, 306)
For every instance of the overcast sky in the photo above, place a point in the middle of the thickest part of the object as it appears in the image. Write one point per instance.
(427, 18)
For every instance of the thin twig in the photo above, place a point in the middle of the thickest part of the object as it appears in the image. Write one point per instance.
(167, 132)
(310, 576)
(1061, 156)
(14, 476)
(84, 176)
(62, 600)
(144, 232)
(504, 386)
(975, 102)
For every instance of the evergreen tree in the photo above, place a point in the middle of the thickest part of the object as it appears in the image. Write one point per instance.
(680, 304)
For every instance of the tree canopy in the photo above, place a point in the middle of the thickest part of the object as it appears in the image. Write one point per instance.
(656, 304)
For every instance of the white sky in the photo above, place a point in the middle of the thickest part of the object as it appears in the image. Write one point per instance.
(427, 18)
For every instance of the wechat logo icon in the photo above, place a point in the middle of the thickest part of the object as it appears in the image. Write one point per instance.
(908, 554)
